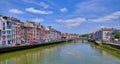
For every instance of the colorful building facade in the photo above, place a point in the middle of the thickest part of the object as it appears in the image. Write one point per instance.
(14, 32)
(6, 31)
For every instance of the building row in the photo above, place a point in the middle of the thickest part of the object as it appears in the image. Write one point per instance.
(14, 32)
(104, 34)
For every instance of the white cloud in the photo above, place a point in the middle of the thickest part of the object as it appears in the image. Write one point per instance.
(115, 15)
(99, 27)
(74, 22)
(63, 9)
(15, 11)
(32, 10)
(37, 20)
(44, 5)
(90, 7)
(41, 4)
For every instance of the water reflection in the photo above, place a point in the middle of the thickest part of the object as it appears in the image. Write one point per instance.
(104, 51)
(29, 57)
(75, 52)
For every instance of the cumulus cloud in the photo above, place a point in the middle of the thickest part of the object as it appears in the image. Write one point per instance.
(74, 22)
(63, 9)
(37, 20)
(113, 16)
(32, 10)
(15, 11)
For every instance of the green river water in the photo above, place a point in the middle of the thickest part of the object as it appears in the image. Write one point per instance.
(64, 53)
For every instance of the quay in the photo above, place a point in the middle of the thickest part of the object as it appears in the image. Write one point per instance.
(113, 45)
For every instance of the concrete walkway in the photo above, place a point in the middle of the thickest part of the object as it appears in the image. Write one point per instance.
(114, 43)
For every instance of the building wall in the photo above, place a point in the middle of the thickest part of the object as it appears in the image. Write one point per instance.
(1, 26)
(14, 32)
(107, 35)
(104, 34)
(37, 32)
(6, 29)
(3, 34)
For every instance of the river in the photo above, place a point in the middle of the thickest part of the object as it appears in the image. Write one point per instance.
(64, 53)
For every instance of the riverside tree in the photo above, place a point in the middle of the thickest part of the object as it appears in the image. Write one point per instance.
(117, 35)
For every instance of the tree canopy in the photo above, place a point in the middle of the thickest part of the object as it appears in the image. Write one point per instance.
(85, 35)
(117, 35)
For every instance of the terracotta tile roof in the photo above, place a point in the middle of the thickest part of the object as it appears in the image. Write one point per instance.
(108, 29)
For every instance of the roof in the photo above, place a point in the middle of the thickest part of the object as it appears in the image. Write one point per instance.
(15, 19)
(38, 26)
(28, 24)
(108, 29)
(8, 19)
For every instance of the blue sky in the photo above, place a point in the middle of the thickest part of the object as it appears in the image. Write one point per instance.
(72, 16)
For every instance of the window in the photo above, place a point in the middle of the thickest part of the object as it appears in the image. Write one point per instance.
(3, 37)
(9, 26)
(3, 28)
(8, 41)
(8, 36)
(3, 32)
(8, 23)
(3, 42)
(8, 32)
(3, 24)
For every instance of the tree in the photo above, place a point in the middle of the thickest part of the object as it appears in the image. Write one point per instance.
(117, 35)
(85, 35)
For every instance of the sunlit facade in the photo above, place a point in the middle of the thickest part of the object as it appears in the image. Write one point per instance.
(15, 32)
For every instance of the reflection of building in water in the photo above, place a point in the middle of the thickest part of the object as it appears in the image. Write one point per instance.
(75, 40)
(37, 55)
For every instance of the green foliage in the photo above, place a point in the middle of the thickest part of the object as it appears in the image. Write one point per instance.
(117, 35)
(85, 35)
